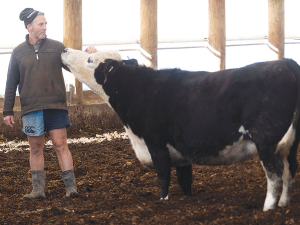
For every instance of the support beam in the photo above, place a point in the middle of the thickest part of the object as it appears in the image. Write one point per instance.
(217, 32)
(148, 35)
(72, 36)
(276, 27)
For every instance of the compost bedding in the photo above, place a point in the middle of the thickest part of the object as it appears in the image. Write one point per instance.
(114, 188)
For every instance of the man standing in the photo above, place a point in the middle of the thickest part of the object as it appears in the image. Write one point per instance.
(36, 69)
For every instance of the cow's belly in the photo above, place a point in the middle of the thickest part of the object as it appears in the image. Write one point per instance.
(142, 152)
(240, 151)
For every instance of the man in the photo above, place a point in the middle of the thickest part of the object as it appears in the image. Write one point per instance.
(36, 69)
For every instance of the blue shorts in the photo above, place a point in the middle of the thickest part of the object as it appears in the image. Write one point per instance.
(36, 123)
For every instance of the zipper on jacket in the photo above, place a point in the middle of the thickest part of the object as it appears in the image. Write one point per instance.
(37, 55)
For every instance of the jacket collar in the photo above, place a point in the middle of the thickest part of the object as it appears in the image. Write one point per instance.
(27, 39)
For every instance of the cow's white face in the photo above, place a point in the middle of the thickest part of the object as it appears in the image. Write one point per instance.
(82, 66)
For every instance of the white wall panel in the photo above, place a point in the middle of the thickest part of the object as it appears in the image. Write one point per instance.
(12, 28)
(292, 18)
(246, 19)
(180, 21)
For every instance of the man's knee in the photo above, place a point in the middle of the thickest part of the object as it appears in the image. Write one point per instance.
(36, 144)
(36, 150)
(60, 145)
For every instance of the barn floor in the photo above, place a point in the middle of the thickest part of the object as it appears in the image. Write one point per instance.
(116, 189)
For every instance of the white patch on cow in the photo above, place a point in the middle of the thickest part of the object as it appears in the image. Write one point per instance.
(98, 57)
(166, 198)
(244, 131)
(273, 184)
(240, 151)
(77, 62)
(142, 152)
(140, 147)
(286, 142)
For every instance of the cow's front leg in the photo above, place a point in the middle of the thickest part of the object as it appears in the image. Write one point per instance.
(185, 178)
(162, 164)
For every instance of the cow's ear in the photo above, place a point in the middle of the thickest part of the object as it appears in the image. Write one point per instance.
(130, 62)
(110, 66)
(99, 74)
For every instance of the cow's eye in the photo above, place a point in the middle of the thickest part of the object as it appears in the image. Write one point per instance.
(90, 60)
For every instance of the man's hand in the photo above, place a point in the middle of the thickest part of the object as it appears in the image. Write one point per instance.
(9, 121)
(91, 49)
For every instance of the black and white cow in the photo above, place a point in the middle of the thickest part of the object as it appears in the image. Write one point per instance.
(178, 118)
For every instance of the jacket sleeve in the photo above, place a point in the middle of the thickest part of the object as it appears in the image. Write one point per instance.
(63, 65)
(12, 82)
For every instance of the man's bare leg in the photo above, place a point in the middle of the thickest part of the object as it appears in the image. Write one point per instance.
(36, 145)
(59, 140)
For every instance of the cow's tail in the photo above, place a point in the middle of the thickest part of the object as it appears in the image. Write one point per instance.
(288, 140)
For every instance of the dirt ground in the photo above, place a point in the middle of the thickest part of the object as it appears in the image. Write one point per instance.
(116, 189)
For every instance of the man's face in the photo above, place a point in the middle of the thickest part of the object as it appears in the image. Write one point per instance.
(38, 28)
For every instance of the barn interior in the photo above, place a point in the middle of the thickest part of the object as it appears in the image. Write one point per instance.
(114, 187)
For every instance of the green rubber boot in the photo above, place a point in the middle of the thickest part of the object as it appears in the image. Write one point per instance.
(69, 180)
(38, 184)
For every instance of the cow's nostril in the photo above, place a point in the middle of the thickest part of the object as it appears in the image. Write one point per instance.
(90, 60)
(65, 50)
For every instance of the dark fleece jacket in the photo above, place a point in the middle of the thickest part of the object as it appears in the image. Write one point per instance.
(38, 77)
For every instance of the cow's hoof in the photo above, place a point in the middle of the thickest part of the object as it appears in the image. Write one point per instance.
(283, 204)
(284, 201)
(266, 208)
(166, 198)
(188, 193)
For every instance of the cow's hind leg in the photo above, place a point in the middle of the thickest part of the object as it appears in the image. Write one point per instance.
(162, 164)
(273, 167)
(185, 178)
(289, 158)
(288, 181)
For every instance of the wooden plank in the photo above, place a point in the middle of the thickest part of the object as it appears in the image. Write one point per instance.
(276, 27)
(72, 36)
(217, 31)
(148, 32)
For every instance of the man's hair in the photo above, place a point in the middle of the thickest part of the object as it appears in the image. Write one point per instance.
(40, 13)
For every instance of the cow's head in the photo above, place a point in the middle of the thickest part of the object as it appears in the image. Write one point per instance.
(111, 74)
(109, 67)
(82, 66)
(105, 69)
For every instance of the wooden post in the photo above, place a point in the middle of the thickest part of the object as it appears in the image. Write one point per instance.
(72, 35)
(276, 27)
(217, 31)
(148, 35)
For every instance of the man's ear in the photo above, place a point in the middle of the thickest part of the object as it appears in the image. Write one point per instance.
(29, 27)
